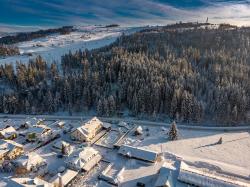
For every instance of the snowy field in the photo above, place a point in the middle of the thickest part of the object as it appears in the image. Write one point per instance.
(52, 47)
(200, 148)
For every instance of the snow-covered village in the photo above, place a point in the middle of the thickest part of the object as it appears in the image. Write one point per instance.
(94, 152)
(132, 93)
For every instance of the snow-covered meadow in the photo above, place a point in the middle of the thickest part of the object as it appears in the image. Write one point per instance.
(52, 47)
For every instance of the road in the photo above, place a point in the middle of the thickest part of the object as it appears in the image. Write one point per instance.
(134, 121)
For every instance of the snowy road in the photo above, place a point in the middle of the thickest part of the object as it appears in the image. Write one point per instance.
(135, 121)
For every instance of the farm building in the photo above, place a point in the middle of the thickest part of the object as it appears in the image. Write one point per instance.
(9, 149)
(138, 153)
(84, 160)
(88, 130)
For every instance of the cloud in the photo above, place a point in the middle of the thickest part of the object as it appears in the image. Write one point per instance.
(124, 12)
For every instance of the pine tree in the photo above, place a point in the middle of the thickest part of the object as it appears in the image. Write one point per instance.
(100, 108)
(173, 132)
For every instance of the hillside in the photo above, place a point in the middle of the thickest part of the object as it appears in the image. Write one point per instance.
(186, 74)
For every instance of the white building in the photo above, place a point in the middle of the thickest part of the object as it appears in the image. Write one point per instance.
(197, 176)
(60, 124)
(138, 153)
(39, 133)
(9, 149)
(31, 162)
(63, 178)
(165, 176)
(60, 145)
(28, 182)
(8, 133)
(88, 130)
(30, 122)
(84, 160)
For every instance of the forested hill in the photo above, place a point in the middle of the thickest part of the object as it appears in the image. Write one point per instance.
(27, 36)
(189, 75)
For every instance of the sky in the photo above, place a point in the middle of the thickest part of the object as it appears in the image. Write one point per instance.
(30, 14)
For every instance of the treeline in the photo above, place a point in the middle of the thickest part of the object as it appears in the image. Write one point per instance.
(192, 75)
(8, 50)
(27, 36)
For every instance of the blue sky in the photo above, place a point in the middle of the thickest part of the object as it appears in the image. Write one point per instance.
(27, 14)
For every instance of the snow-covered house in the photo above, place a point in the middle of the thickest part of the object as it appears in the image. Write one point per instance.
(28, 182)
(88, 130)
(165, 176)
(111, 175)
(63, 147)
(84, 160)
(138, 153)
(32, 162)
(60, 124)
(9, 150)
(30, 122)
(63, 178)
(39, 133)
(197, 176)
(8, 133)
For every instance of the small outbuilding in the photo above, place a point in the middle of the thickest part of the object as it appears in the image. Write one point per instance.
(62, 179)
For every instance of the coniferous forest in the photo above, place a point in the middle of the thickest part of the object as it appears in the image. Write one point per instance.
(191, 75)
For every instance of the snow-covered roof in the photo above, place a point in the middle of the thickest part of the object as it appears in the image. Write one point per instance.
(165, 176)
(89, 126)
(61, 123)
(90, 164)
(8, 131)
(59, 144)
(38, 129)
(106, 125)
(31, 159)
(138, 153)
(198, 177)
(82, 157)
(66, 177)
(28, 182)
(87, 153)
(33, 121)
(8, 145)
